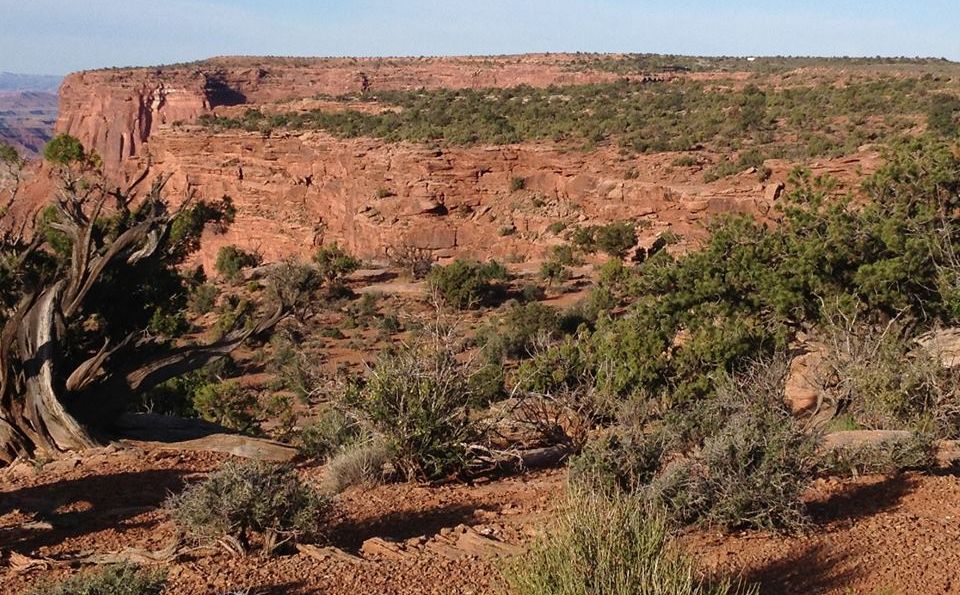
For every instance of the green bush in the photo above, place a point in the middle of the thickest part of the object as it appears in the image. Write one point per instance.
(232, 260)
(203, 298)
(615, 239)
(608, 545)
(243, 500)
(419, 399)
(467, 284)
(515, 333)
(227, 404)
(943, 115)
(517, 183)
(334, 263)
(331, 433)
(121, 579)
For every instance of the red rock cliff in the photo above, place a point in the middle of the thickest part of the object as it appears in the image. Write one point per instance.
(115, 112)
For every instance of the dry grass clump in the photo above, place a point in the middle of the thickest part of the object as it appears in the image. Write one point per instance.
(610, 545)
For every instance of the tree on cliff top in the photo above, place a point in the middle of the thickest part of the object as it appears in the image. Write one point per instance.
(92, 299)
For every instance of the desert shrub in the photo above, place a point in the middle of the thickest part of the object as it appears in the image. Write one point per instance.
(557, 227)
(515, 332)
(419, 398)
(333, 263)
(333, 431)
(685, 161)
(467, 284)
(227, 404)
(554, 272)
(517, 183)
(943, 115)
(359, 464)
(232, 260)
(740, 460)
(203, 298)
(415, 262)
(889, 456)
(620, 460)
(615, 239)
(609, 545)
(246, 499)
(120, 579)
(753, 464)
(874, 373)
(293, 284)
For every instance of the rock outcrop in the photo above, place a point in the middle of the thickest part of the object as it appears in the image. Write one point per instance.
(116, 111)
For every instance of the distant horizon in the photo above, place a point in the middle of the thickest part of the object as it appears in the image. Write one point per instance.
(489, 55)
(50, 36)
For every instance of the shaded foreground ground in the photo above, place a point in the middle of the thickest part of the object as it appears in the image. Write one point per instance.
(872, 535)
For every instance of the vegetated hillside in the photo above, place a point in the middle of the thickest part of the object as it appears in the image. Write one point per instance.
(723, 314)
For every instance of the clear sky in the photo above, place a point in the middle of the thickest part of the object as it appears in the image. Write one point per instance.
(59, 36)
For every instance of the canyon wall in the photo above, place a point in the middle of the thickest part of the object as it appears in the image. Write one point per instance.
(115, 112)
(297, 190)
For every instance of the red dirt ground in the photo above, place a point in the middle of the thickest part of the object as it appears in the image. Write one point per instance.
(873, 535)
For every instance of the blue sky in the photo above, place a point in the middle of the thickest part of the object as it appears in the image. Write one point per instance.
(59, 36)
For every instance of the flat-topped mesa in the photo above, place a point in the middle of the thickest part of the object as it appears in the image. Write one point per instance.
(114, 112)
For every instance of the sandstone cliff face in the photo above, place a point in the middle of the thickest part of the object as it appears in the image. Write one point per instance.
(116, 112)
(297, 190)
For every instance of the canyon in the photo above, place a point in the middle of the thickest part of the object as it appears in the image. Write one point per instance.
(295, 190)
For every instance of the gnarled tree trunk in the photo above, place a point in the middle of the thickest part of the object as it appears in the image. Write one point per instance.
(49, 404)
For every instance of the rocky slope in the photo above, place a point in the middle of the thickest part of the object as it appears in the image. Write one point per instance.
(27, 119)
(295, 190)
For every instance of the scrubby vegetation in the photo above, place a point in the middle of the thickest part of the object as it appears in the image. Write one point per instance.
(121, 579)
(466, 284)
(246, 500)
(640, 116)
(609, 545)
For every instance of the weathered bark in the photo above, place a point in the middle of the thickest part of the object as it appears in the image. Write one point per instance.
(50, 404)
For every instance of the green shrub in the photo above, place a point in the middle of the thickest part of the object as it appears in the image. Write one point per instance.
(334, 263)
(611, 546)
(121, 579)
(514, 333)
(615, 239)
(419, 399)
(243, 500)
(203, 298)
(232, 260)
(227, 404)
(331, 433)
(467, 284)
(517, 183)
(943, 115)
